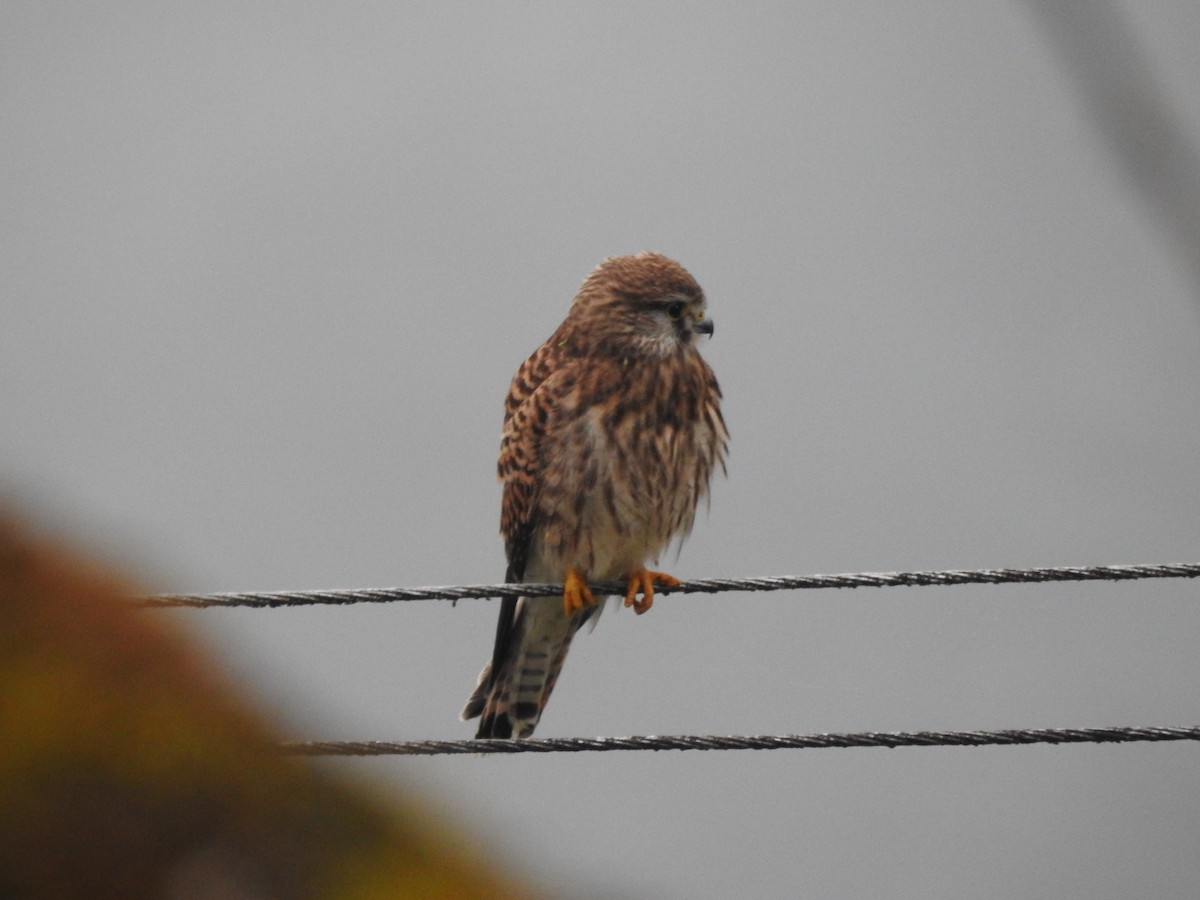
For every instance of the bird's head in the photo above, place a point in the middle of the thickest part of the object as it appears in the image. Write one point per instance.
(645, 304)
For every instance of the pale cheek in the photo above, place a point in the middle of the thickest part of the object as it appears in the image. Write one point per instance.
(660, 339)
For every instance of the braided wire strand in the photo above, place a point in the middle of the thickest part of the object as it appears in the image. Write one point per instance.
(704, 586)
(890, 739)
(1009, 737)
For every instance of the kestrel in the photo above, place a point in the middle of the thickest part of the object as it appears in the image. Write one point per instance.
(612, 429)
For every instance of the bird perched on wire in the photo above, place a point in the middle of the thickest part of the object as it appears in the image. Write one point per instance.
(612, 430)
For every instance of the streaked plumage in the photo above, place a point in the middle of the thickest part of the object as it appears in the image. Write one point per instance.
(612, 429)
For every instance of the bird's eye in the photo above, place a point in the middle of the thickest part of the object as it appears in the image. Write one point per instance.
(675, 309)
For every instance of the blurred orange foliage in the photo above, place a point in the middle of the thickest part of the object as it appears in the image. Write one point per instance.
(129, 768)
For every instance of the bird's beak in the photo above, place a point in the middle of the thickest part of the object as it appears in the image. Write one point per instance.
(703, 326)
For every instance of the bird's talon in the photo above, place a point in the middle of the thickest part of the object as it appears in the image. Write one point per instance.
(576, 593)
(642, 582)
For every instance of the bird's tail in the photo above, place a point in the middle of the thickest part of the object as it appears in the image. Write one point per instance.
(509, 701)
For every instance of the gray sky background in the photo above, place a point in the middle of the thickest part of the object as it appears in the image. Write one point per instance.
(268, 269)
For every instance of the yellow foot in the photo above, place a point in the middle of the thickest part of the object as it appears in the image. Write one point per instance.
(576, 593)
(642, 581)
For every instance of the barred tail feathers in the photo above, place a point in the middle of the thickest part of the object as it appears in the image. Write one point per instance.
(509, 702)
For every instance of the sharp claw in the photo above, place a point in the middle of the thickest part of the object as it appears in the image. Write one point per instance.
(642, 581)
(576, 593)
(631, 594)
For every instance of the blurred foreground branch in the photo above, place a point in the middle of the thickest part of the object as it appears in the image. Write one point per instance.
(1133, 116)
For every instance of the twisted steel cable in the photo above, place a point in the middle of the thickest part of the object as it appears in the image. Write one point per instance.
(891, 739)
(1117, 734)
(704, 586)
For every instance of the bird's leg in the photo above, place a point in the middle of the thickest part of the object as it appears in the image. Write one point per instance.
(642, 581)
(576, 593)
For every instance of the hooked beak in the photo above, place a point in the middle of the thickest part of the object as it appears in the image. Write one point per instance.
(703, 326)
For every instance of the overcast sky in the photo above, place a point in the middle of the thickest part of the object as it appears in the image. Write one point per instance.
(269, 268)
